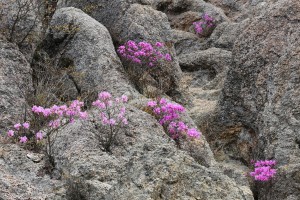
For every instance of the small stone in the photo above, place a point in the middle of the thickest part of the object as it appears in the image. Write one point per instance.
(35, 157)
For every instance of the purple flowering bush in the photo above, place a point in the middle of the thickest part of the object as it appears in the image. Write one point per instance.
(53, 118)
(144, 53)
(168, 115)
(205, 27)
(112, 119)
(264, 170)
(148, 64)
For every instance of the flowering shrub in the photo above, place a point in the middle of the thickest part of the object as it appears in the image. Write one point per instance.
(168, 115)
(149, 64)
(263, 170)
(54, 118)
(144, 53)
(205, 27)
(112, 118)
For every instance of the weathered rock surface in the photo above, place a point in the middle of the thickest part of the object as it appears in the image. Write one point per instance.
(211, 66)
(19, 177)
(217, 59)
(177, 7)
(21, 23)
(77, 41)
(260, 101)
(145, 164)
(239, 10)
(204, 74)
(225, 34)
(15, 83)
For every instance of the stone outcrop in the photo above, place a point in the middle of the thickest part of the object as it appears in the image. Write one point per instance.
(20, 177)
(260, 99)
(15, 83)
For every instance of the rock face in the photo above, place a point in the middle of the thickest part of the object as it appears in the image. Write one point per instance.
(15, 83)
(260, 103)
(145, 165)
(205, 71)
(225, 34)
(77, 42)
(19, 177)
(217, 59)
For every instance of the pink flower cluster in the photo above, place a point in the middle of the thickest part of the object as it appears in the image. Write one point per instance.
(167, 112)
(19, 129)
(112, 111)
(264, 170)
(168, 115)
(56, 115)
(144, 53)
(61, 112)
(200, 26)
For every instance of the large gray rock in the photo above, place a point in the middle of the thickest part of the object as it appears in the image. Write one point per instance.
(21, 178)
(15, 84)
(144, 165)
(259, 109)
(80, 43)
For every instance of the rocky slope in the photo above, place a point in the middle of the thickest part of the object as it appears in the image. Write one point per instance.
(259, 104)
(240, 86)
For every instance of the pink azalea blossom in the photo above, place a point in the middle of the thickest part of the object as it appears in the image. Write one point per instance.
(23, 139)
(193, 133)
(83, 115)
(112, 121)
(39, 135)
(159, 44)
(152, 104)
(264, 170)
(124, 121)
(10, 133)
(168, 57)
(124, 98)
(104, 96)
(26, 125)
(17, 126)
